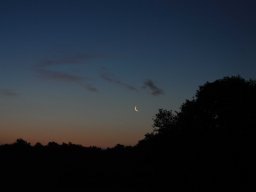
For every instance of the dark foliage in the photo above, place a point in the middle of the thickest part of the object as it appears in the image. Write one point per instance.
(204, 147)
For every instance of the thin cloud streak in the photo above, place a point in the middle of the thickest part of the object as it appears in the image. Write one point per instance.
(154, 90)
(45, 71)
(111, 79)
(8, 93)
(89, 87)
(65, 77)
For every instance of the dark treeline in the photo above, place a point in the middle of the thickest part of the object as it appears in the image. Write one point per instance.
(206, 146)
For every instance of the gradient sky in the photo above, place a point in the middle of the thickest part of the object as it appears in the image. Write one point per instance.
(73, 70)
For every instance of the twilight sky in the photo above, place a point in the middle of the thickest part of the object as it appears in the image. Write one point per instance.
(73, 70)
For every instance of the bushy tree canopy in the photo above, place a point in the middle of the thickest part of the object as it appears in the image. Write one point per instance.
(223, 107)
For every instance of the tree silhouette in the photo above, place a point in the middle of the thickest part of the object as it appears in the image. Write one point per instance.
(22, 143)
(164, 121)
(209, 139)
(223, 107)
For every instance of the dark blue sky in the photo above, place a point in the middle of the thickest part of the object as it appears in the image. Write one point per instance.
(74, 70)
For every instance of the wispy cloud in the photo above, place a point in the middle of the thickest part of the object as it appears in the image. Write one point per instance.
(66, 77)
(8, 93)
(89, 87)
(154, 90)
(44, 69)
(48, 69)
(112, 79)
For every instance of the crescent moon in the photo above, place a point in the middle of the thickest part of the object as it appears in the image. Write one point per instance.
(136, 109)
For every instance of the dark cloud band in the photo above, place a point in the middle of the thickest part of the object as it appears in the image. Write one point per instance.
(45, 70)
(154, 90)
(8, 93)
(111, 79)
